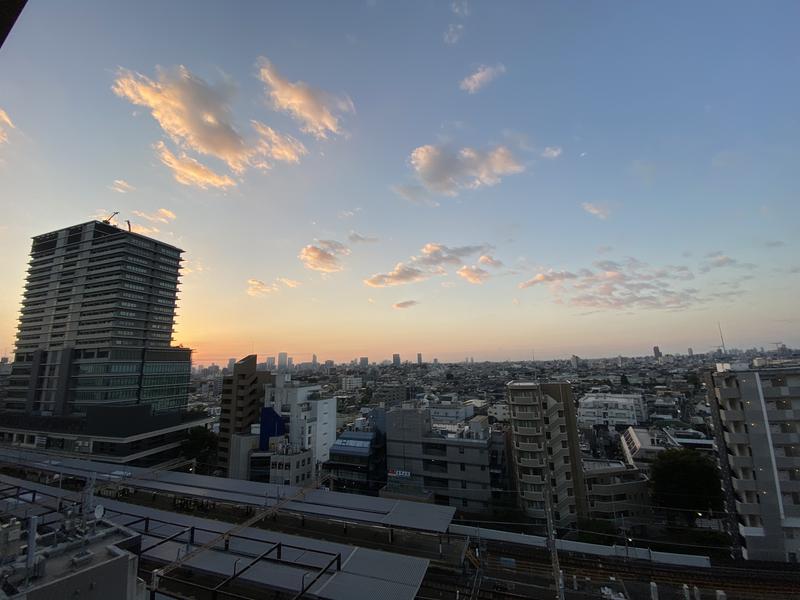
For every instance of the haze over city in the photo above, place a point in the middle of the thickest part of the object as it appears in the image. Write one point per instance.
(371, 178)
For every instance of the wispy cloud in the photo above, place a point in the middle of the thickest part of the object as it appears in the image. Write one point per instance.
(551, 152)
(473, 274)
(416, 194)
(447, 171)
(400, 275)
(719, 260)
(460, 8)
(431, 261)
(489, 261)
(404, 304)
(357, 238)
(121, 186)
(622, 285)
(453, 33)
(198, 117)
(256, 287)
(775, 244)
(601, 211)
(5, 124)
(324, 256)
(162, 215)
(188, 171)
(481, 77)
(318, 111)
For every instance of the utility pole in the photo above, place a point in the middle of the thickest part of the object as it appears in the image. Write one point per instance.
(551, 539)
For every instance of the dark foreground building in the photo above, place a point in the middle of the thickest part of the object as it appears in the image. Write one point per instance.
(94, 370)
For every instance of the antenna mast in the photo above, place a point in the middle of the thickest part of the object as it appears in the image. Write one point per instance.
(721, 339)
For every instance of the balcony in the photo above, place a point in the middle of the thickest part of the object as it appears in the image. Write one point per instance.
(532, 462)
(748, 508)
(740, 462)
(528, 431)
(736, 438)
(731, 415)
(529, 447)
(744, 485)
(526, 414)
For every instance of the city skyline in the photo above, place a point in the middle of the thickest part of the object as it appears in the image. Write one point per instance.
(441, 178)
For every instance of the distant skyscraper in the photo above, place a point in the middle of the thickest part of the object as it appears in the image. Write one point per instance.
(231, 362)
(270, 363)
(575, 361)
(396, 360)
(363, 362)
(282, 361)
(691, 352)
(290, 363)
(314, 360)
(94, 366)
(419, 358)
(657, 352)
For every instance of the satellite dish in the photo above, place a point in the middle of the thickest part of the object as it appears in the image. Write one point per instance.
(99, 511)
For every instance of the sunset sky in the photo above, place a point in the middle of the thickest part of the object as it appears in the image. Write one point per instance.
(454, 178)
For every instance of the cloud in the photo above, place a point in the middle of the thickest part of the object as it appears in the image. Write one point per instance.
(121, 186)
(318, 111)
(453, 33)
(547, 277)
(416, 194)
(5, 123)
(460, 8)
(604, 249)
(718, 260)
(357, 238)
(481, 77)
(489, 261)
(473, 274)
(600, 211)
(348, 214)
(775, 244)
(277, 146)
(256, 288)
(551, 152)
(622, 285)
(324, 256)
(144, 229)
(188, 171)
(446, 171)
(400, 275)
(434, 254)
(193, 113)
(404, 304)
(162, 215)
(429, 263)
(197, 116)
(290, 283)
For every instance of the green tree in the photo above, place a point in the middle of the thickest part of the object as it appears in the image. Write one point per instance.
(201, 444)
(685, 482)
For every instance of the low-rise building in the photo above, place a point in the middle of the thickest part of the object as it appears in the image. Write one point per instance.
(358, 462)
(611, 410)
(616, 491)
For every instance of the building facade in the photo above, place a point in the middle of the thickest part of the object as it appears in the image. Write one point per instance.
(611, 410)
(94, 370)
(546, 451)
(757, 421)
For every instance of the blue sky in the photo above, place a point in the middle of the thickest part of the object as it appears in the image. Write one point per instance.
(632, 166)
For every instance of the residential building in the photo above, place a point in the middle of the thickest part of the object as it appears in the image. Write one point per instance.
(641, 446)
(462, 466)
(363, 362)
(546, 451)
(241, 401)
(657, 352)
(395, 360)
(757, 425)
(611, 410)
(616, 492)
(283, 361)
(94, 371)
(351, 383)
(358, 462)
(311, 418)
(391, 394)
(419, 359)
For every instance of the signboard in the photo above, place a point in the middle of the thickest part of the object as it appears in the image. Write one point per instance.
(398, 473)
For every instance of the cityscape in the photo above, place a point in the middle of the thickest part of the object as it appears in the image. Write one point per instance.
(204, 402)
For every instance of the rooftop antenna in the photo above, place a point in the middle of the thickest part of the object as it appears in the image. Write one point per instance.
(721, 339)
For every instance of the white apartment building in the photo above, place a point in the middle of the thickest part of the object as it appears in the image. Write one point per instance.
(312, 419)
(351, 383)
(611, 410)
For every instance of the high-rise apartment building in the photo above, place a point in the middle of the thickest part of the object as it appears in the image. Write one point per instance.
(757, 424)
(546, 451)
(94, 370)
(396, 360)
(657, 352)
(363, 362)
(283, 361)
(419, 359)
(241, 401)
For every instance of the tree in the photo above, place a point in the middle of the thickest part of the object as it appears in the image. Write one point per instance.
(201, 444)
(686, 482)
(624, 380)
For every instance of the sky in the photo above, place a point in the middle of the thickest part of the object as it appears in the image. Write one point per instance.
(468, 178)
